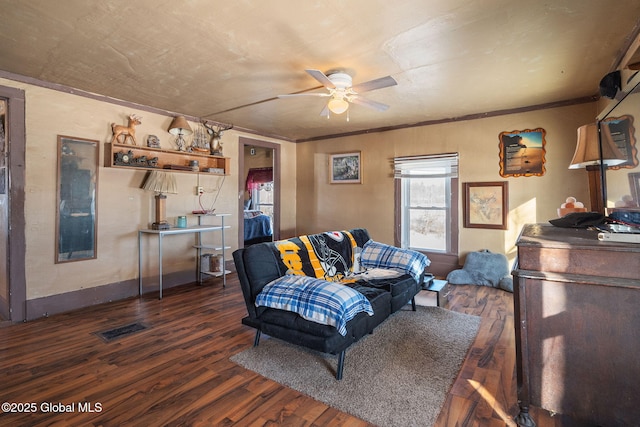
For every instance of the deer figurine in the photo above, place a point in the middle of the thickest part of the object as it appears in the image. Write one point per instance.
(215, 145)
(127, 132)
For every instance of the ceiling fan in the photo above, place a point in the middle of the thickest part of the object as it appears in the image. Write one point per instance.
(342, 91)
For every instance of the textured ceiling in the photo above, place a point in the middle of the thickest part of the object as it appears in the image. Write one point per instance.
(228, 60)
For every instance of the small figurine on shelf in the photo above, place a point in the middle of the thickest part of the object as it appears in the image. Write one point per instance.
(215, 145)
(200, 143)
(126, 132)
(153, 141)
(571, 205)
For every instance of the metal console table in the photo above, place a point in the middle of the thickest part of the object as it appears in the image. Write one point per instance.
(197, 230)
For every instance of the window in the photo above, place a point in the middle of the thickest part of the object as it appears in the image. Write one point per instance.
(262, 198)
(260, 187)
(427, 202)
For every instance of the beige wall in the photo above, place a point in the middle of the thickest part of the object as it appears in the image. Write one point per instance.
(323, 206)
(123, 207)
(310, 203)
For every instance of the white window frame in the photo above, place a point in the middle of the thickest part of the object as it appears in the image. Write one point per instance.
(255, 197)
(427, 166)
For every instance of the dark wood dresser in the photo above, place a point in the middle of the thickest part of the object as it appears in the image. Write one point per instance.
(577, 318)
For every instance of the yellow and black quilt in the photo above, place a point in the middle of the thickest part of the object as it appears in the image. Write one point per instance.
(330, 256)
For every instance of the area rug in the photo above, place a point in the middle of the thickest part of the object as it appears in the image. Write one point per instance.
(397, 376)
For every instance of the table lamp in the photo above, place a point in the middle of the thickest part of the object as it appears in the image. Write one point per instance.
(180, 127)
(593, 156)
(161, 183)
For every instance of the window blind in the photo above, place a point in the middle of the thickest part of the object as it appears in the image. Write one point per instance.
(427, 166)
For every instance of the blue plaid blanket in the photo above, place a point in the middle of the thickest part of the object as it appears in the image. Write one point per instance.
(380, 255)
(316, 300)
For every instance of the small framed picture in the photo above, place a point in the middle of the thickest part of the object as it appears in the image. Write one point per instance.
(153, 141)
(486, 205)
(345, 168)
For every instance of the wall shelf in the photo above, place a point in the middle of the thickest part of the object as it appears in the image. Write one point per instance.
(148, 158)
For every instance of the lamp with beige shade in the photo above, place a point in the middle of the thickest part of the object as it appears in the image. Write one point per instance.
(595, 157)
(162, 183)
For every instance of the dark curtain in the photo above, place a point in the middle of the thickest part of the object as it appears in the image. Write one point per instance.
(257, 176)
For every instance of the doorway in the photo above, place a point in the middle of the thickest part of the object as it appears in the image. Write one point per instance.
(259, 195)
(12, 180)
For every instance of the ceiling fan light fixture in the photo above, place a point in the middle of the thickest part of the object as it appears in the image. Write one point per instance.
(340, 80)
(338, 105)
(342, 93)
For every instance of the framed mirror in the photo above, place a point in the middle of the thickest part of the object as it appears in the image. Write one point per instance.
(77, 190)
(618, 125)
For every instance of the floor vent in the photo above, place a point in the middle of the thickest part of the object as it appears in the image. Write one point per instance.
(121, 332)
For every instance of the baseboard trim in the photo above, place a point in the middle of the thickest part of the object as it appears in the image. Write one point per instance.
(82, 298)
(442, 264)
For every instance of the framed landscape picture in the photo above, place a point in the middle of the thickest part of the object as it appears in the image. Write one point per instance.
(345, 168)
(486, 205)
(522, 152)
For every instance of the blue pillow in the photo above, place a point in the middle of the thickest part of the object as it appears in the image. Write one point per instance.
(380, 255)
(317, 300)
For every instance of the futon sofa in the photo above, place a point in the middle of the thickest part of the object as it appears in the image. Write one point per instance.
(326, 291)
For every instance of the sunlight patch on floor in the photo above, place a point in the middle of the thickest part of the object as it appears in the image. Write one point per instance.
(491, 401)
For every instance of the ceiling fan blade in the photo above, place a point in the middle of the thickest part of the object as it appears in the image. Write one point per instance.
(369, 103)
(325, 111)
(322, 78)
(291, 95)
(374, 84)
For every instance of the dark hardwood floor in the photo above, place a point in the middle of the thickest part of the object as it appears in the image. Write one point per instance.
(58, 372)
